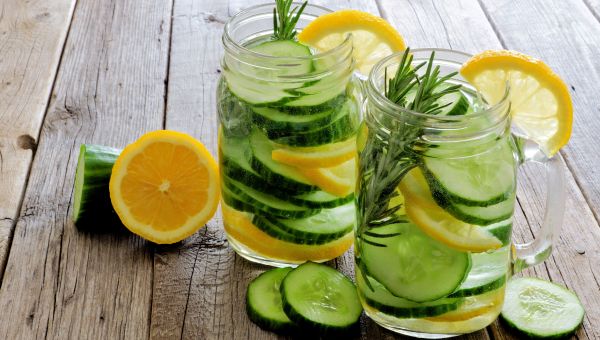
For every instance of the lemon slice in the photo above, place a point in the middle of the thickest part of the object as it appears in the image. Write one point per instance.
(323, 156)
(165, 186)
(540, 102)
(338, 180)
(439, 224)
(372, 37)
(238, 225)
(474, 306)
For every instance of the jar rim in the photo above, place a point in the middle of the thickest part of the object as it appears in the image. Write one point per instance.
(232, 46)
(398, 111)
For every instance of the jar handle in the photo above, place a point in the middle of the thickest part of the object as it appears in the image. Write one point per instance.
(534, 252)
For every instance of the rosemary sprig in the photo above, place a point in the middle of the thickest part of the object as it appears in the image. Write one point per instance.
(284, 20)
(387, 156)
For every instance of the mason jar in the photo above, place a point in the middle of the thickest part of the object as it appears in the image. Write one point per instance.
(435, 203)
(285, 200)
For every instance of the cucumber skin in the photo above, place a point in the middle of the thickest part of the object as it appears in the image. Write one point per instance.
(312, 326)
(95, 211)
(412, 312)
(479, 290)
(307, 238)
(279, 233)
(337, 131)
(261, 321)
(445, 198)
(456, 212)
(502, 233)
(238, 200)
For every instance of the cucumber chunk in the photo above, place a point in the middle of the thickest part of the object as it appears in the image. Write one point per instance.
(284, 176)
(385, 302)
(501, 231)
(488, 272)
(326, 226)
(318, 296)
(277, 123)
(263, 301)
(483, 179)
(92, 209)
(254, 201)
(411, 265)
(541, 309)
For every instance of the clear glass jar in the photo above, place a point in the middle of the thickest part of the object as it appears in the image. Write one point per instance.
(287, 209)
(436, 196)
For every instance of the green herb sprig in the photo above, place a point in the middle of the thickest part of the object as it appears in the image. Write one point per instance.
(284, 20)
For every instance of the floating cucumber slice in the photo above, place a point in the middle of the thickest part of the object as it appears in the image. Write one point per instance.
(326, 226)
(488, 272)
(483, 215)
(263, 301)
(245, 198)
(501, 231)
(483, 179)
(285, 176)
(411, 265)
(384, 301)
(541, 309)
(318, 296)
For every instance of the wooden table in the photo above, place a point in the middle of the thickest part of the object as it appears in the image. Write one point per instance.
(90, 71)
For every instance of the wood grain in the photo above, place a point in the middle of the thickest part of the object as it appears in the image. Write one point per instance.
(32, 35)
(59, 282)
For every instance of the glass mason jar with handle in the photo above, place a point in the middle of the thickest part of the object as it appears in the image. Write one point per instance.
(288, 118)
(435, 200)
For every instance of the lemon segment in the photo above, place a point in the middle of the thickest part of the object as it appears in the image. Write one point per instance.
(439, 224)
(541, 105)
(323, 156)
(338, 181)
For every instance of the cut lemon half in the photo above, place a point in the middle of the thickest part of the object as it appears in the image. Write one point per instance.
(323, 156)
(372, 37)
(238, 225)
(540, 101)
(338, 180)
(439, 224)
(165, 186)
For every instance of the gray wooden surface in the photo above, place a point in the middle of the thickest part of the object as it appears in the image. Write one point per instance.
(87, 71)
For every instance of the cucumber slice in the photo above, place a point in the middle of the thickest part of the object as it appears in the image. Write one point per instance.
(286, 177)
(326, 226)
(342, 127)
(411, 265)
(278, 123)
(257, 202)
(482, 180)
(318, 296)
(385, 302)
(254, 91)
(501, 231)
(541, 309)
(275, 231)
(483, 215)
(92, 208)
(488, 272)
(285, 49)
(234, 154)
(263, 301)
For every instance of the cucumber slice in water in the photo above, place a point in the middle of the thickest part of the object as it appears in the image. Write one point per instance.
(483, 179)
(263, 301)
(488, 272)
(483, 215)
(285, 176)
(318, 296)
(541, 309)
(254, 201)
(411, 265)
(501, 231)
(385, 302)
(92, 209)
(326, 226)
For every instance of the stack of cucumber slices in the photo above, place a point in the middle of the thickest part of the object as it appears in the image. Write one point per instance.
(313, 296)
(299, 119)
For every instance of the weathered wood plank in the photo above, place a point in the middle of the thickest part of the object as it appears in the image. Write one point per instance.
(32, 35)
(59, 282)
